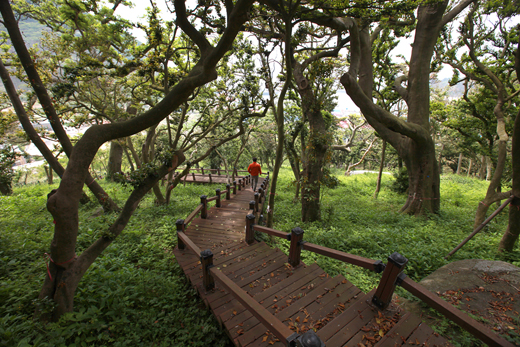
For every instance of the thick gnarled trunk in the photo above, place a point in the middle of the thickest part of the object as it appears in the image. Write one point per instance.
(423, 181)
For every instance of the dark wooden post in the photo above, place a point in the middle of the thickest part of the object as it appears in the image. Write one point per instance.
(234, 187)
(252, 205)
(218, 171)
(295, 248)
(240, 184)
(386, 287)
(228, 192)
(217, 202)
(206, 259)
(204, 211)
(180, 228)
(210, 181)
(202, 170)
(257, 201)
(308, 339)
(244, 182)
(261, 192)
(250, 233)
(193, 175)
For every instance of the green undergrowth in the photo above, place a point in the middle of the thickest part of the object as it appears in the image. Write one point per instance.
(354, 222)
(135, 294)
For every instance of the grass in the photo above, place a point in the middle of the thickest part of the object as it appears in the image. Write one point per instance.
(135, 294)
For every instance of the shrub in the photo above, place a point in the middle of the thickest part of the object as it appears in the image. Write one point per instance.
(400, 184)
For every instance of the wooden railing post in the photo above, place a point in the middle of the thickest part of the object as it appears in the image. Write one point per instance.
(257, 196)
(217, 202)
(386, 287)
(261, 192)
(204, 202)
(218, 171)
(250, 233)
(193, 175)
(180, 228)
(202, 170)
(228, 192)
(210, 180)
(206, 259)
(252, 205)
(234, 187)
(295, 248)
(240, 184)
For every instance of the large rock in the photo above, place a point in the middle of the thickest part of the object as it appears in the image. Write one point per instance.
(484, 288)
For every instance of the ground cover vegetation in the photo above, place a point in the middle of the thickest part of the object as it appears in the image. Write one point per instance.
(217, 83)
(135, 294)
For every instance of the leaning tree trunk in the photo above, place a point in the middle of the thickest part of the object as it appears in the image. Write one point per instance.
(459, 164)
(380, 174)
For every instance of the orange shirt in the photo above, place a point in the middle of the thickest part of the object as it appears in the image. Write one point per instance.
(254, 169)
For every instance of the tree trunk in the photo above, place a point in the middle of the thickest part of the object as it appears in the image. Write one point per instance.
(411, 138)
(65, 272)
(423, 180)
(492, 195)
(381, 166)
(459, 164)
(49, 174)
(469, 167)
(489, 168)
(148, 156)
(482, 171)
(115, 160)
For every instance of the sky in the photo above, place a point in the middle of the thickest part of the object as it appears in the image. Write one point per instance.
(345, 104)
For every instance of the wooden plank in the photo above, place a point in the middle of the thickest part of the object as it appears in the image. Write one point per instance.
(400, 331)
(302, 275)
(280, 330)
(290, 286)
(419, 336)
(359, 319)
(350, 313)
(301, 303)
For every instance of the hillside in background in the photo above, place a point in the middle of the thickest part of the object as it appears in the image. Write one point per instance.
(32, 34)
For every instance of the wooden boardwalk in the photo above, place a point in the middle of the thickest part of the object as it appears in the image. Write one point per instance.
(303, 298)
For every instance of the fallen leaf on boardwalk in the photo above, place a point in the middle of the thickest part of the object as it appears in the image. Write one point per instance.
(297, 319)
(381, 333)
(271, 342)
(265, 338)
(344, 281)
(272, 274)
(240, 332)
(235, 312)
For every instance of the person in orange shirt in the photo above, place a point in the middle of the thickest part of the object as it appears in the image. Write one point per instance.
(254, 170)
